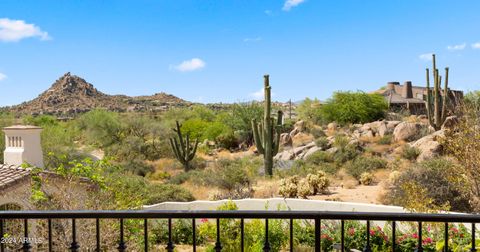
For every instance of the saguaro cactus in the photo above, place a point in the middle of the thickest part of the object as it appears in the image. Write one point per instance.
(267, 134)
(436, 104)
(182, 148)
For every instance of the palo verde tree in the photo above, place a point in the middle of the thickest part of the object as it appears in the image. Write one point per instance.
(182, 148)
(436, 104)
(266, 133)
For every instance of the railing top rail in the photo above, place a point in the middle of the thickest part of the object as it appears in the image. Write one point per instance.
(245, 214)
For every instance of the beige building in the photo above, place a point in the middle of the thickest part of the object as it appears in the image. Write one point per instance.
(412, 98)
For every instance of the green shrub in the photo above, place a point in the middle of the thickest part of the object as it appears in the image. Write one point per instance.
(317, 132)
(409, 152)
(322, 143)
(354, 107)
(364, 164)
(437, 187)
(138, 167)
(319, 158)
(385, 140)
(346, 154)
(157, 193)
(366, 178)
(309, 110)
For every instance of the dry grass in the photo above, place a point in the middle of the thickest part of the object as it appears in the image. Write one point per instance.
(266, 188)
(200, 192)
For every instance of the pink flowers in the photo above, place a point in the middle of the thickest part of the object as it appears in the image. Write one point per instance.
(351, 231)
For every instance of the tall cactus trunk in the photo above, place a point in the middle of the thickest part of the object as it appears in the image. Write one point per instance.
(436, 104)
(264, 132)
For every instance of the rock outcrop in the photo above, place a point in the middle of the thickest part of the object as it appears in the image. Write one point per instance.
(71, 95)
(429, 146)
(406, 131)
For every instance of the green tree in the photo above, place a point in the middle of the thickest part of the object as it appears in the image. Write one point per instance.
(354, 107)
(309, 110)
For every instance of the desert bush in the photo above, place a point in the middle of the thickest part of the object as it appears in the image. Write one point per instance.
(319, 158)
(364, 164)
(409, 152)
(366, 178)
(137, 167)
(309, 110)
(289, 187)
(385, 140)
(472, 99)
(354, 107)
(463, 144)
(304, 189)
(316, 132)
(432, 184)
(322, 142)
(157, 193)
(346, 154)
(318, 182)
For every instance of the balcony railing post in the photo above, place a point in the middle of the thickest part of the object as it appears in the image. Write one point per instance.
(242, 235)
(145, 234)
(473, 249)
(2, 245)
(26, 243)
(121, 245)
(394, 235)
(266, 245)
(367, 247)
(218, 244)
(446, 237)
(97, 234)
(342, 235)
(50, 245)
(194, 236)
(420, 239)
(170, 245)
(318, 235)
(291, 235)
(74, 245)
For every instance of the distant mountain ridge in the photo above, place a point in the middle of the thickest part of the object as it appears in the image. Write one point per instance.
(71, 94)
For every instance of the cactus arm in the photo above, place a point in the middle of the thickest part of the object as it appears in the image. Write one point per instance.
(256, 137)
(192, 154)
(179, 133)
(428, 103)
(445, 97)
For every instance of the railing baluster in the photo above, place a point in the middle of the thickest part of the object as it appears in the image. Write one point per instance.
(2, 244)
(97, 234)
(121, 245)
(318, 235)
(170, 245)
(218, 244)
(26, 243)
(242, 235)
(473, 249)
(342, 235)
(291, 235)
(194, 237)
(394, 236)
(420, 240)
(50, 247)
(145, 234)
(74, 245)
(266, 246)
(367, 247)
(446, 237)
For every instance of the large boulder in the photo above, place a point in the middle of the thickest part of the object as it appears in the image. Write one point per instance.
(285, 139)
(406, 131)
(450, 122)
(332, 126)
(429, 146)
(392, 124)
(298, 127)
(311, 151)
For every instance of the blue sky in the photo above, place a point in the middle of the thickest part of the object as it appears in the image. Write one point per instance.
(212, 51)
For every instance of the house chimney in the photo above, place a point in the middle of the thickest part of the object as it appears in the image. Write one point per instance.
(407, 90)
(391, 85)
(23, 145)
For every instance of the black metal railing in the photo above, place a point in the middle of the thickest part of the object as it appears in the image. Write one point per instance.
(316, 216)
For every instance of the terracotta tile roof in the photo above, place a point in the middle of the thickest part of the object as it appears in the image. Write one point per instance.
(10, 174)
